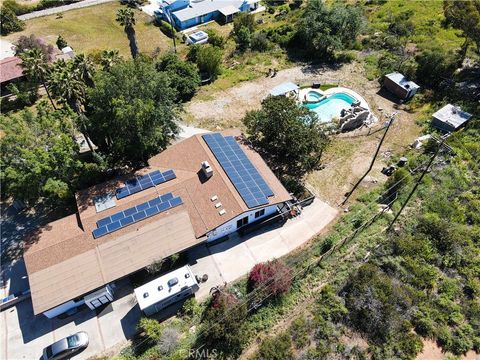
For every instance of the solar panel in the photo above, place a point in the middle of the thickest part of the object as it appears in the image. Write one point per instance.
(146, 181)
(242, 173)
(136, 213)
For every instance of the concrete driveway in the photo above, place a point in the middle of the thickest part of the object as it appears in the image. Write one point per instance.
(231, 259)
(23, 335)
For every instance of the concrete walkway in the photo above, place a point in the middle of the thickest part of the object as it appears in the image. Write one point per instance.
(60, 9)
(231, 259)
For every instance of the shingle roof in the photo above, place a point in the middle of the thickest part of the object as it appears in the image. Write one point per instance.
(62, 241)
(10, 69)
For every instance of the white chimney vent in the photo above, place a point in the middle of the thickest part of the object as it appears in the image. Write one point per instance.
(222, 212)
(217, 205)
(214, 198)
(207, 169)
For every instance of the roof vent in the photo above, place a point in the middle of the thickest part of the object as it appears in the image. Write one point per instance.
(172, 282)
(160, 288)
(222, 212)
(187, 275)
(217, 205)
(145, 295)
(214, 198)
(207, 169)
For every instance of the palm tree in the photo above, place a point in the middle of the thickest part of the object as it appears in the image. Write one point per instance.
(109, 58)
(126, 18)
(85, 68)
(69, 88)
(36, 66)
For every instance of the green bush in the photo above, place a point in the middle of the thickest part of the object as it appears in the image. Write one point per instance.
(215, 39)
(275, 348)
(152, 328)
(9, 22)
(260, 41)
(300, 332)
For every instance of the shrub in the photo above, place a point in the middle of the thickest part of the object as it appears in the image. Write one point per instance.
(25, 43)
(276, 348)
(183, 75)
(9, 22)
(168, 340)
(61, 43)
(243, 37)
(151, 327)
(208, 59)
(300, 332)
(244, 20)
(223, 324)
(215, 39)
(260, 41)
(155, 267)
(273, 276)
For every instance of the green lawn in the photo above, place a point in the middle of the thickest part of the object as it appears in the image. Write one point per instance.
(94, 28)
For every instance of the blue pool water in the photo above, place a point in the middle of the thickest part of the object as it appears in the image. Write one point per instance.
(332, 106)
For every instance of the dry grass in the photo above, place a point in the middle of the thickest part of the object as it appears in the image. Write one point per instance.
(94, 28)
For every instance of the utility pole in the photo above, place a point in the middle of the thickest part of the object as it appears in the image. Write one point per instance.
(419, 180)
(392, 117)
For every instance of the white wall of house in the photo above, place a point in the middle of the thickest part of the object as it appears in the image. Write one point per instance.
(231, 226)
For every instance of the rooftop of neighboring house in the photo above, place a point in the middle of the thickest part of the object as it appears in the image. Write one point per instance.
(69, 246)
(10, 69)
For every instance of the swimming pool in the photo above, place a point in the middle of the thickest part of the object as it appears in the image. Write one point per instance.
(332, 106)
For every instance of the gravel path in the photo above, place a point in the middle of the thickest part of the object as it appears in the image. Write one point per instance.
(59, 9)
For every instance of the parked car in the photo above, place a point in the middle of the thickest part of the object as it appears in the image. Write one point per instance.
(67, 347)
(198, 37)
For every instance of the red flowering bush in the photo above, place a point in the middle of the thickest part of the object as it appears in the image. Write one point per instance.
(272, 276)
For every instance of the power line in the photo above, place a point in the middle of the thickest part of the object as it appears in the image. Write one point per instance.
(390, 122)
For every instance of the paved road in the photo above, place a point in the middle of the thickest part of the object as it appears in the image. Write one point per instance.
(59, 9)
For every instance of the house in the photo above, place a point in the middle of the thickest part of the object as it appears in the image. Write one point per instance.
(187, 13)
(166, 290)
(398, 85)
(450, 118)
(198, 190)
(10, 71)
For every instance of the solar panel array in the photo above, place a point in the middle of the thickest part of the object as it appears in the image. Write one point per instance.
(245, 177)
(144, 182)
(134, 214)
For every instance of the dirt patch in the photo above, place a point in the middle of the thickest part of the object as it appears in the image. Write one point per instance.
(431, 351)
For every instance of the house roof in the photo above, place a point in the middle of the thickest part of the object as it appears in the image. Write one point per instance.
(200, 8)
(402, 81)
(56, 250)
(283, 89)
(10, 69)
(452, 115)
(229, 10)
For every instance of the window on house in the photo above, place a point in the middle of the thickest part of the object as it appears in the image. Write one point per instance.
(259, 213)
(241, 222)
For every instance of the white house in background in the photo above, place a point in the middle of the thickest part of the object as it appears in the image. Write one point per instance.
(198, 190)
(166, 290)
(450, 118)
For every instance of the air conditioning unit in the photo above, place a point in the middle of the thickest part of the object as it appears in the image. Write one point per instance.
(207, 169)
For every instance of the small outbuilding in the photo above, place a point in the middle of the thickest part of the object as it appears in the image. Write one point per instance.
(285, 89)
(400, 86)
(450, 118)
(10, 71)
